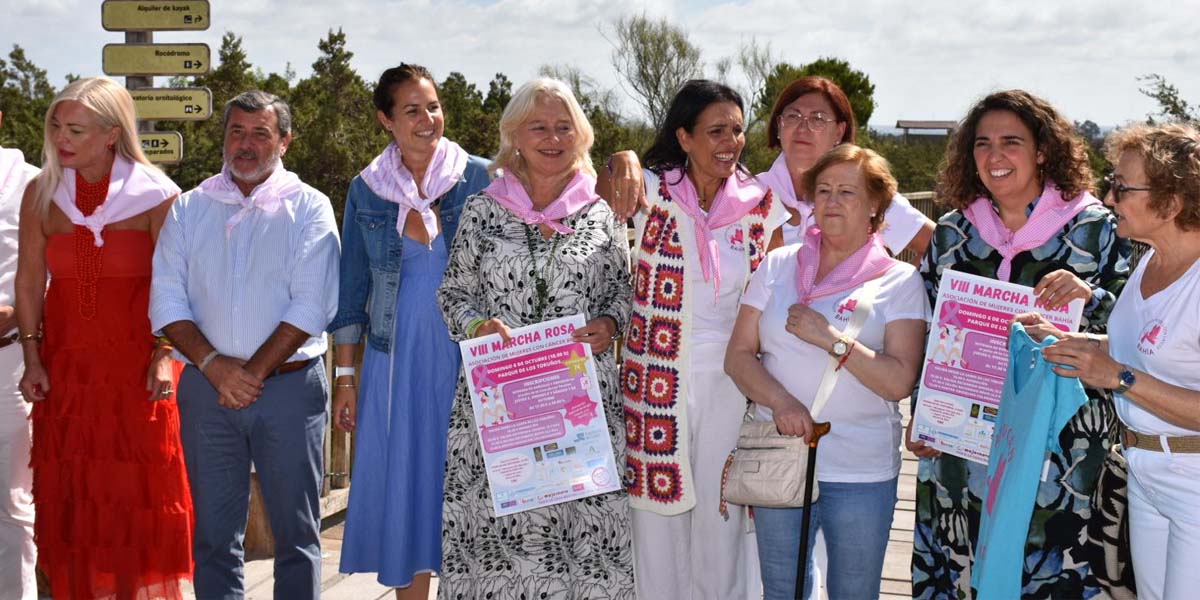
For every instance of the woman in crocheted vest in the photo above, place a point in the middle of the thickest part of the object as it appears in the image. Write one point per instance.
(708, 226)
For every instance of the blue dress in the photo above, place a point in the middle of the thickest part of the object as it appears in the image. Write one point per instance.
(394, 520)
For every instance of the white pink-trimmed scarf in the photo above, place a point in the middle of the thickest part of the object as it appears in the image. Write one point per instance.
(738, 196)
(267, 196)
(133, 188)
(780, 181)
(1050, 215)
(579, 193)
(866, 263)
(391, 180)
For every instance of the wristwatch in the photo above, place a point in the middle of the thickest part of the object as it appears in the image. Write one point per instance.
(1126, 379)
(840, 347)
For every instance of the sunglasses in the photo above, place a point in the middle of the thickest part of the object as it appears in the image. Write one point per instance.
(1117, 188)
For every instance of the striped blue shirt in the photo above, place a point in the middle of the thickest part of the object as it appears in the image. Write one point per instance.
(272, 268)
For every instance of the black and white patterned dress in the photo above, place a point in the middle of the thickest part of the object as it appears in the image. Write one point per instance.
(575, 550)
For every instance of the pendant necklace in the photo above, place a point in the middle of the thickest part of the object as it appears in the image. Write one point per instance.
(540, 285)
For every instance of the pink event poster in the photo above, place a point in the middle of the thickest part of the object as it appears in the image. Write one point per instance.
(966, 358)
(540, 416)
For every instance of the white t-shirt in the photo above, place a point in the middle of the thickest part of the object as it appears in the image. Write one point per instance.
(1159, 335)
(901, 223)
(864, 444)
(712, 321)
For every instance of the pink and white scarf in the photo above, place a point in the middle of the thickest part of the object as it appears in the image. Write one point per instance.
(1049, 216)
(267, 196)
(391, 180)
(780, 182)
(866, 263)
(579, 193)
(133, 188)
(738, 196)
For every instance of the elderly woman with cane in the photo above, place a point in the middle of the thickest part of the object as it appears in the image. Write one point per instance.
(796, 312)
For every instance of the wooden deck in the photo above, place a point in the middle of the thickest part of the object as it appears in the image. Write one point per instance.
(896, 583)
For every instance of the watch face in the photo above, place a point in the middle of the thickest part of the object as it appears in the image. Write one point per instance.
(840, 347)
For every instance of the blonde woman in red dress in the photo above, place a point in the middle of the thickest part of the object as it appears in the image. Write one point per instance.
(110, 489)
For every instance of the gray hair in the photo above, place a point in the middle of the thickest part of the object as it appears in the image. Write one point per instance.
(256, 100)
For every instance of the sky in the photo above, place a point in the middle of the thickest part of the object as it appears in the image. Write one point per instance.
(928, 59)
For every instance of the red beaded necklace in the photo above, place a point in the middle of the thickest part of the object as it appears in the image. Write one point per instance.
(88, 196)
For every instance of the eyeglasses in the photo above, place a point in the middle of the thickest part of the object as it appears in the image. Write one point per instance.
(817, 121)
(1117, 188)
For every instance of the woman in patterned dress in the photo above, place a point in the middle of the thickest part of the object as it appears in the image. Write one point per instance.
(534, 246)
(1012, 155)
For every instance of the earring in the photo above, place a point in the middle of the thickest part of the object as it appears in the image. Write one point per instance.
(111, 146)
(685, 162)
(388, 127)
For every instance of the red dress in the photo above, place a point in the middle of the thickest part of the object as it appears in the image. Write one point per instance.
(114, 513)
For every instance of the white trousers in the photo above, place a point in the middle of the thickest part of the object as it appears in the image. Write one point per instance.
(698, 555)
(1164, 523)
(17, 552)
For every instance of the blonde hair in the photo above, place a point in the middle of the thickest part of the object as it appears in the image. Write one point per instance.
(876, 173)
(521, 106)
(113, 107)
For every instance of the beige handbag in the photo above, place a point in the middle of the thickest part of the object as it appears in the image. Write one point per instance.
(768, 468)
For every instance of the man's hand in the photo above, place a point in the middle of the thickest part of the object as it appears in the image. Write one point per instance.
(236, 387)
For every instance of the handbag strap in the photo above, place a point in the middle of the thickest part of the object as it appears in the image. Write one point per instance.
(857, 319)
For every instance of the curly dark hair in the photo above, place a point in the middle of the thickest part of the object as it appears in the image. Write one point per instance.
(1066, 159)
(1171, 155)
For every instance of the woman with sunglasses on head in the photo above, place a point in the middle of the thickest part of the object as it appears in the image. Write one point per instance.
(1150, 358)
(1017, 178)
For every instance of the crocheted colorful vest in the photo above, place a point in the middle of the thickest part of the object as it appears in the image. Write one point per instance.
(653, 384)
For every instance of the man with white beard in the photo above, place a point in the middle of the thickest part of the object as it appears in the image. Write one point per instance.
(245, 282)
(17, 552)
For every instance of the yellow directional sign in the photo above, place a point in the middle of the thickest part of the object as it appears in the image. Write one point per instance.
(162, 147)
(173, 104)
(156, 59)
(154, 15)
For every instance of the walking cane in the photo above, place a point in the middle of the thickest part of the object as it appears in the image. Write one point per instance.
(819, 430)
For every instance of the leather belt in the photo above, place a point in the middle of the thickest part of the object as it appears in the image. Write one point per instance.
(290, 367)
(1186, 444)
(9, 339)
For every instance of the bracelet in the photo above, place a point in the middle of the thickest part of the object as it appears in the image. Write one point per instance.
(473, 326)
(30, 337)
(345, 385)
(163, 341)
(206, 360)
(343, 372)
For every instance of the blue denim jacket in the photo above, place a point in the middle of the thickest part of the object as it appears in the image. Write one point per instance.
(371, 248)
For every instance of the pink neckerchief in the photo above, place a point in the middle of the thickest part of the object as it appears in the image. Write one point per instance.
(267, 196)
(738, 196)
(1050, 215)
(780, 182)
(391, 180)
(133, 188)
(579, 193)
(866, 263)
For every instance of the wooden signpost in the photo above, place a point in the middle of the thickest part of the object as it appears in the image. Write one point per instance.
(162, 147)
(156, 59)
(140, 60)
(173, 104)
(155, 15)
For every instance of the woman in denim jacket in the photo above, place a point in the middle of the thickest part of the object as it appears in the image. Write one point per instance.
(401, 216)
